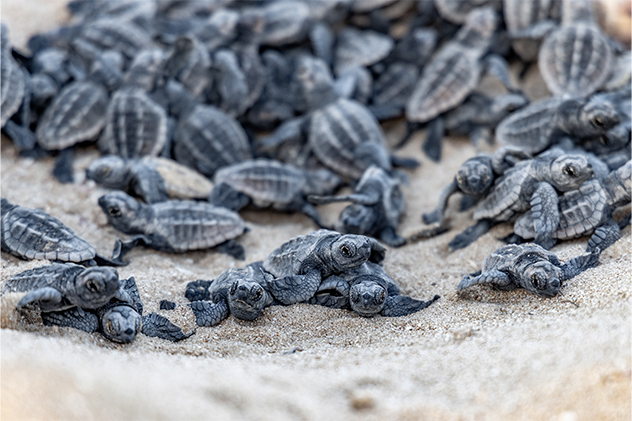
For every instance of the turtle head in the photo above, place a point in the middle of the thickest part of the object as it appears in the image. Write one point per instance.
(121, 209)
(121, 324)
(110, 171)
(349, 252)
(367, 296)
(597, 117)
(95, 286)
(474, 176)
(568, 172)
(247, 299)
(357, 219)
(543, 278)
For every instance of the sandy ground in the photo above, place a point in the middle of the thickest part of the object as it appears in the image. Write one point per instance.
(483, 354)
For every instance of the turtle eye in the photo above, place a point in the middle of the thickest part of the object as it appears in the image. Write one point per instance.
(258, 294)
(105, 171)
(114, 211)
(382, 295)
(345, 250)
(92, 286)
(598, 122)
(511, 107)
(108, 326)
(538, 281)
(570, 171)
(233, 288)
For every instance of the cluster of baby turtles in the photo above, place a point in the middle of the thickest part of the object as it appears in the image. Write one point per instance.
(202, 108)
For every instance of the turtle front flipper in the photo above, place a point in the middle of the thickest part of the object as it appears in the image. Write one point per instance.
(121, 248)
(232, 248)
(157, 326)
(493, 277)
(63, 166)
(604, 236)
(432, 145)
(389, 237)
(198, 290)
(471, 234)
(437, 214)
(578, 264)
(402, 305)
(310, 211)
(149, 184)
(295, 288)
(226, 196)
(73, 317)
(333, 292)
(546, 216)
(47, 299)
(208, 313)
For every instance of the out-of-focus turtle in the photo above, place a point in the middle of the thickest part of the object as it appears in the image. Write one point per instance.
(528, 266)
(367, 290)
(60, 286)
(154, 179)
(189, 62)
(300, 264)
(117, 320)
(144, 71)
(172, 226)
(378, 206)
(457, 11)
(266, 183)
(360, 48)
(576, 59)
(34, 234)
(241, 292)
(529, 184)
(588, 209)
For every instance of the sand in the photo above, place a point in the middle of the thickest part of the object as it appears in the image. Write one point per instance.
(482, 354)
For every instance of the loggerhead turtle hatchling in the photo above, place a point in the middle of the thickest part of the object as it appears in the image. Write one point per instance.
(60, 286)
(172, 226)
(378, 206)
(531, 184)
(528, 266)
(265, 183)
(367, 290)
(118, 321)
(151, 178)
(241, 292)
(33, 234)
(299, 265)
(576, 59)
(588, 209)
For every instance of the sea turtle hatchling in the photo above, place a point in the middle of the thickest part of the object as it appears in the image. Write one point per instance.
(368, 291)
(118, 321)
(378, 206)
(265, 183)
(172, 226)
(528, 266)
(153, 179)
(33, 234)
(61, 286)
(530, 184)
(241, 292)
(299, 265)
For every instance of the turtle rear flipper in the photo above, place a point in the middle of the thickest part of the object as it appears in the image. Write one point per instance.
(402, 305)
(155, 325)
(208, 313)
(73, 317)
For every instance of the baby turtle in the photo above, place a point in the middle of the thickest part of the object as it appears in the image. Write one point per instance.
(528, 266)
(529, 184)
(153, 179)
(528, 22)
(117, 320)
(378, 206)
(173, 226)
(241, 292)
(368, 291)
(587, 210)
(360, 48)
(300, 264)
(576, 59)
(60, 286)
(265, 183)
(34, 234)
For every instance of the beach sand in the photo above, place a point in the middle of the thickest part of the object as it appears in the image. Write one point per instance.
(481, 354)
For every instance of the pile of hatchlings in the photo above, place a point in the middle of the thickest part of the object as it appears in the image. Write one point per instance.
(203, 108)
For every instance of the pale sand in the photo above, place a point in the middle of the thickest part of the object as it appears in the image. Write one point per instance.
(481, 355)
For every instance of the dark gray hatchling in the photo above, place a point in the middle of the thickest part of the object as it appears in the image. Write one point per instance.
(299, 265)
(367, 290)
(528, 22)
(587, 210)
(541, 124)
(378, 206)
(531, 184)
(576, 59)
(33, 234)
(206, 138)
(153, 179)
(284, 22)
(269, 183)
(356, 48)
(242, 292)
(118, 321)
(61, 286)
(528, 266)
(173, 226)
(189, 62)
(452, 75)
